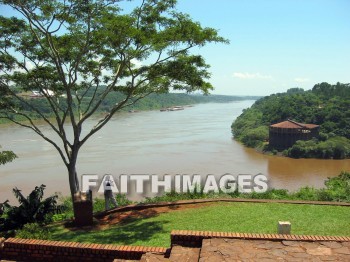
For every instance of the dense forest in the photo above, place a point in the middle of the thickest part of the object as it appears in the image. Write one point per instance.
(151, 102)
(325, 105)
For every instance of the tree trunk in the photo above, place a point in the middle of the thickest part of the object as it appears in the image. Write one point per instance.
(73, 178)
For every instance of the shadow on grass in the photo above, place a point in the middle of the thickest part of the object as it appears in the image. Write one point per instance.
(127, 217)
(126, 234)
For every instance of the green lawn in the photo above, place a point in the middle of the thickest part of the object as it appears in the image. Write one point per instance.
(233, 217)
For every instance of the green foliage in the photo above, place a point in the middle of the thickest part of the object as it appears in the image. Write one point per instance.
(250, 118)
(99, 203)
(269, 194)
(33, 231)
(334, 147)
(6, 157)
(306, 193)
(31, 209)
(325, 105)
(295, 90)
(254, 137)
(175, 196)
(338, 188)
(67, 204)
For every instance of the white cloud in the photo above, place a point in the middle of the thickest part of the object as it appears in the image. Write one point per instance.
(301, 80)
(252, 76)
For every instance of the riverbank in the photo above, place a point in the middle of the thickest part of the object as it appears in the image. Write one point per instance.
(325, 108)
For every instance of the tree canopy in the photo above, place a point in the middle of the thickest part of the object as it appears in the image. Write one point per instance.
(77, 53)
(325, 105)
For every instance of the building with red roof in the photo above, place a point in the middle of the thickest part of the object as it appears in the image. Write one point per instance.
(284, 134)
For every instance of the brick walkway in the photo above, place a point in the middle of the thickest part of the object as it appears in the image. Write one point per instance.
(219, 249)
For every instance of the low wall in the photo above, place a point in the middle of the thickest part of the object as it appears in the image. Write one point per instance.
(188, 238)
(44, 250)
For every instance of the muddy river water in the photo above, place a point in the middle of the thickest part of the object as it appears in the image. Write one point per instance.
(196, 140)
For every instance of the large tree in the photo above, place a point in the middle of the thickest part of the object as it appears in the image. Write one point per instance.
(76, 53)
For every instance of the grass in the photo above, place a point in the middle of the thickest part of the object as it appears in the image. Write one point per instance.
(232, 217)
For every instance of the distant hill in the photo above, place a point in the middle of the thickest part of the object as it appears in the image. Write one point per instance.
(325, 105)
(151, 102)
(157, 101)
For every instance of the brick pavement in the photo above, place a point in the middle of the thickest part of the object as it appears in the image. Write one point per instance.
(221, 249)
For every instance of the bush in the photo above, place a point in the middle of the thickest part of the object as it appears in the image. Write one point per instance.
(32, 209)
(338, 188)
(33, 231)
(306, 193)
(269, 194)
(67, 206)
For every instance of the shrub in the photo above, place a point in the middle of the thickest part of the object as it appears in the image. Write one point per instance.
(338, 188)
(33, 231)
(31, 209)
(306, 193)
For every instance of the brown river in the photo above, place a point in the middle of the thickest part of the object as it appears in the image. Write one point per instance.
(196, 140)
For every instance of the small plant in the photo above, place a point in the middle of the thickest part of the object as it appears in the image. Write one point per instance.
(122, 200)
(33, 231)
(99, 203)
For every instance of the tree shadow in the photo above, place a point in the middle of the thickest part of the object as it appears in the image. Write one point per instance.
(122, 234)
(123, 228)
(124, 217)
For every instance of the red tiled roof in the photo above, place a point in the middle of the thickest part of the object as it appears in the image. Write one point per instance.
(293, 124)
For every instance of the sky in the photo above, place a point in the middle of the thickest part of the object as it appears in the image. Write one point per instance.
(274, 44)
